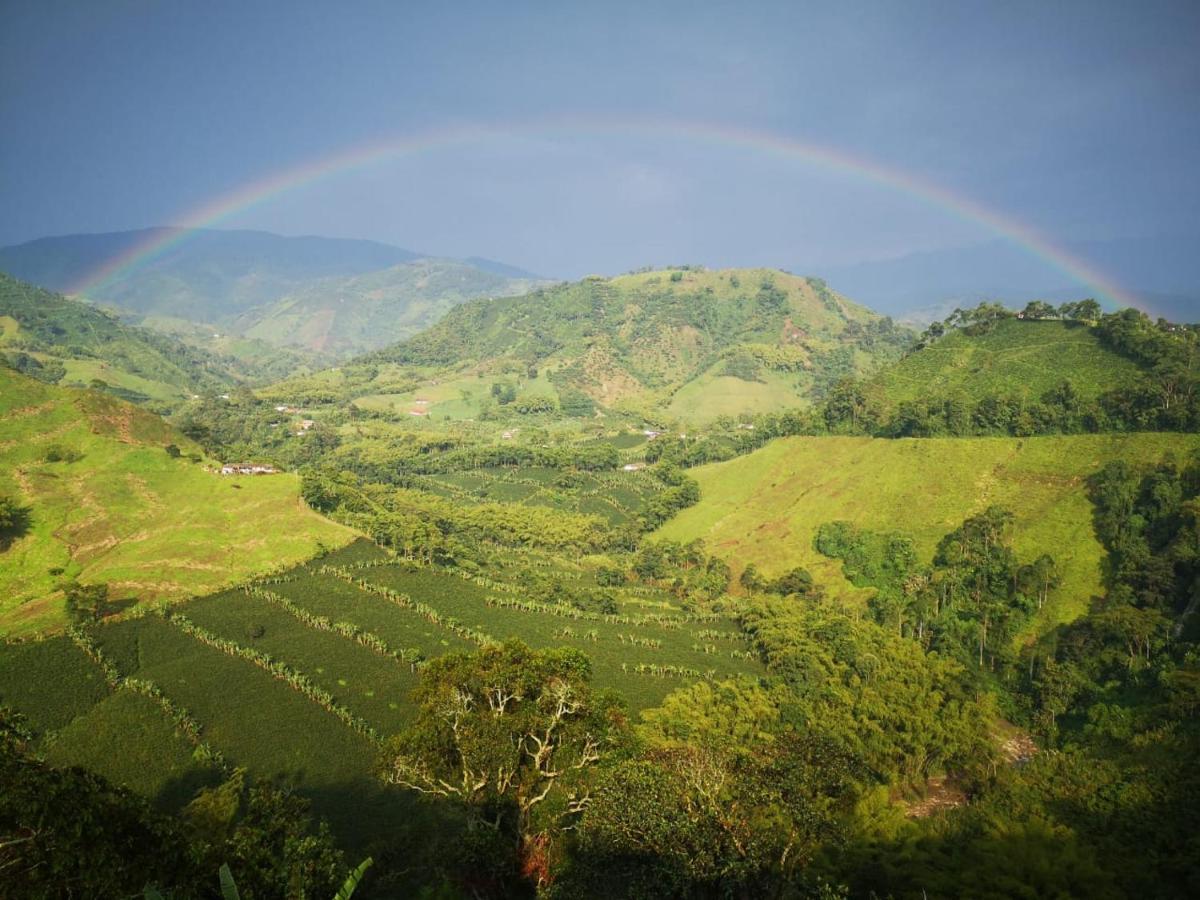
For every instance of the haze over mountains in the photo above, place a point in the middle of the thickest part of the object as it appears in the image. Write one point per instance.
(306, 292)
(1162, 273)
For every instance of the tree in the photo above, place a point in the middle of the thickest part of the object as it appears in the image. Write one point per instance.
(512, 735)
(1038, 309)
(14, 520)
(706, 821)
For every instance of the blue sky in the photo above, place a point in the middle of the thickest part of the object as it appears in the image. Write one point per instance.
(1080, 119)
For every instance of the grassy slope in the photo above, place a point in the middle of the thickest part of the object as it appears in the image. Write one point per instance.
(764, 508)
(128, 514)
(1017, 357)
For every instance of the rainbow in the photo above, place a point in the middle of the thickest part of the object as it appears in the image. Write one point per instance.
(255, 193)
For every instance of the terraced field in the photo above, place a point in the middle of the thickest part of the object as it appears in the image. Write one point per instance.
(301, 676)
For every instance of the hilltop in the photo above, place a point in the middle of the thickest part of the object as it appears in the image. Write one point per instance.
(686, 344)
(1013, 357)
(115, 495)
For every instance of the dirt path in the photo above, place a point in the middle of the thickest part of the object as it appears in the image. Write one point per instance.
(944, 792)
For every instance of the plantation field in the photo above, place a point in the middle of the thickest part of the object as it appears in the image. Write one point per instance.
(259, 722)
(127, 739)
(351, 653)
(1016, 358)
(616, 497)
(370, 685)
(765, 508)
(615, 644)
(127, 513)
(50, 681)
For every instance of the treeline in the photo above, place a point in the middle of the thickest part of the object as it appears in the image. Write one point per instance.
(970, 604)
(434, 529)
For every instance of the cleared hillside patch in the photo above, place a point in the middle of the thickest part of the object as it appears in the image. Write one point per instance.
(118, 509)
(765, 508)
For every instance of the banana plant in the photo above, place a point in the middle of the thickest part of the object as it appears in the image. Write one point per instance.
(229, 890)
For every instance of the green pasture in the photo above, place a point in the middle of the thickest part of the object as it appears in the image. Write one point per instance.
(765, 508)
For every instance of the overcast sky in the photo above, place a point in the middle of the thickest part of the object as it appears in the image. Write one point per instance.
(1079, 119)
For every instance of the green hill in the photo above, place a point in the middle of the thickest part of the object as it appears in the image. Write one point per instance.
(687, 344)
(1015, 357)
(107, 503)
(332, 295)
(765, 508)
(60, 340)
(354, 314)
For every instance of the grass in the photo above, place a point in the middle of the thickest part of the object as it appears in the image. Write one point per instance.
(764, 508)
(710, 395)
(1016, 358)
(128, 514)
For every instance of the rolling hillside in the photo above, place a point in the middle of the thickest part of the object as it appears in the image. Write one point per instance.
(686, 344)
(1016, 358)
(107, 503)
(65, 341)
(765, 508)
(321, 294)
(208, 276)
(354, 314)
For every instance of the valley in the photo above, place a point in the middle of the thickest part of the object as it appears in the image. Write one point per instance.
(728, 507)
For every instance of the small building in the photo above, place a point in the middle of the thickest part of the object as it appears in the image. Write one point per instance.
(651, 434)
(633, 467)
(306, 424)
(421, 402)
(248, 469)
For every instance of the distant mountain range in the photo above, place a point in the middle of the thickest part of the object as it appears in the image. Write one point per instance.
(332, 295)
(1162, 273)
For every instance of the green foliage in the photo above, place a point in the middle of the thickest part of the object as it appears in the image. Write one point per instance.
(512, 735)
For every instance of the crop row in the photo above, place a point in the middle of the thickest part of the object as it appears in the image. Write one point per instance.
(660, 670)
(411, 655)
(185, 723)
(297, 681)
(475, 635)
(709, 634)
(583, 615)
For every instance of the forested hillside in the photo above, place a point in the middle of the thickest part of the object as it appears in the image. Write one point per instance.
(686, 344)
(63, 341)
